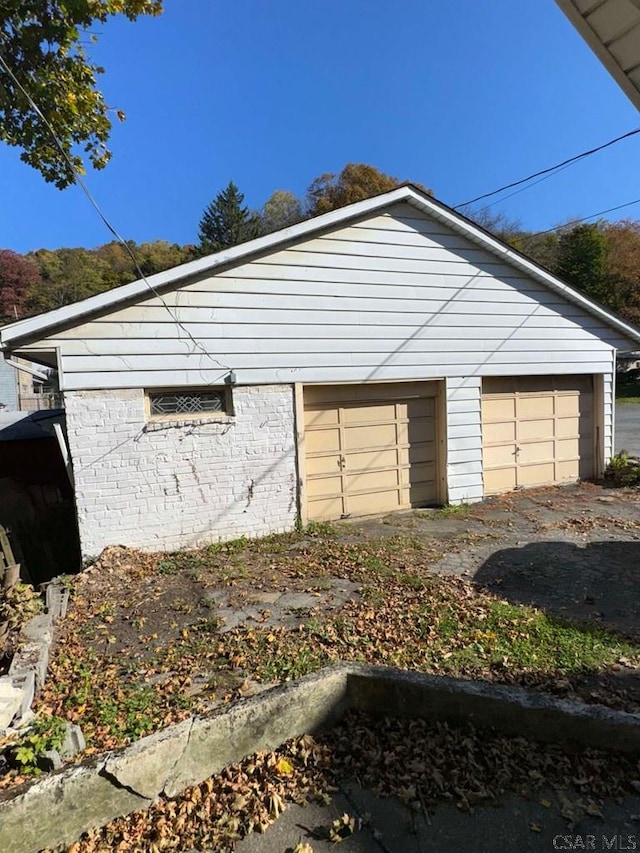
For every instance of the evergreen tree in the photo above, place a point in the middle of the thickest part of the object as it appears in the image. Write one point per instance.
(582, 260)
(225, 222)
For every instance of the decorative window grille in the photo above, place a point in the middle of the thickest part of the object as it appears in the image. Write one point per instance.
(187, 402)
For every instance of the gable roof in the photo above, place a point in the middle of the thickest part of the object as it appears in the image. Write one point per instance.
(34, 328)
(611, 28)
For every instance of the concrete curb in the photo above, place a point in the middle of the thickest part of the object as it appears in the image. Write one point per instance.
(58, 809)
(28, 668)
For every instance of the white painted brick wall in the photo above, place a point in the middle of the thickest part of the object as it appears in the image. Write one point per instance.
(162, 486)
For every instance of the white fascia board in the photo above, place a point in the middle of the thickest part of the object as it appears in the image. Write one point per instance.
(159, 281)
(11, 335)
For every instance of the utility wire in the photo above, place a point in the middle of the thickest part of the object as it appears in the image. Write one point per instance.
(81, 183)
(551, 169)
(578, 221)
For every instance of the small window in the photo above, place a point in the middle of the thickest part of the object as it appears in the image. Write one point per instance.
(187, 403)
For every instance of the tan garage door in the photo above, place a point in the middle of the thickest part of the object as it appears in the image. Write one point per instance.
(536, 430)
(369, 448)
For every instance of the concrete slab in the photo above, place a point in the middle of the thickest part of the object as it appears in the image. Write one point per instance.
(58, 809)
(515, 823)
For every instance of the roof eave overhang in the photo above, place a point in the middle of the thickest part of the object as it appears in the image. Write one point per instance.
(600, 49)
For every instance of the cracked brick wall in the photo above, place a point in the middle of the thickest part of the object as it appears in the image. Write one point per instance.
(161, 485)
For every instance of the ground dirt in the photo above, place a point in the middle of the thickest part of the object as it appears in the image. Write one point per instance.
(478, 591)
(537, 588)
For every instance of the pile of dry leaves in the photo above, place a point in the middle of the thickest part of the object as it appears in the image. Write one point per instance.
(421, 763)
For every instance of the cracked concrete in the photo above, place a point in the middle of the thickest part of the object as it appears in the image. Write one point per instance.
(280, 609)
(58, 809)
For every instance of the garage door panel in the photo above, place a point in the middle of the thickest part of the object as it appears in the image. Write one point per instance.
(423, 452)
(568, 470)
(499, 409)
(326, 510)
(566, 427)
(534, 407)
(419, 474)
(568, 405)
(424, 407)
(500, 432)
(536, 475)
(369, 448)
(500, 480)
(318, 465)
(418, 429)
(372, 481)
(325, 487)
(419, 495)
(320, 417)
(365, 460)
(503, 455)
(378, 435)
(551, 427)
(374, 502)
(568, 448)
(536, 451)
(369, 412)
(322, 441)
(531, 430)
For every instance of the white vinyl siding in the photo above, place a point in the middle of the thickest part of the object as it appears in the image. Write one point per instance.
(397, 296)
(464, 440)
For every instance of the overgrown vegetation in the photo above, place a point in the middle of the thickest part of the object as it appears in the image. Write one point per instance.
(141, 648)
(28, 755)
(17, 606)
(622, 470)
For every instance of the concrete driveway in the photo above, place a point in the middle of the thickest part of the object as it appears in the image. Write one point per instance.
(628, 428)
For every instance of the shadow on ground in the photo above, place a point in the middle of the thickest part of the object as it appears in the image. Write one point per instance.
(597, 583)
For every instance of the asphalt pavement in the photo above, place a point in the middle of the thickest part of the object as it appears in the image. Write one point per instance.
(516, 823)
(628, 428)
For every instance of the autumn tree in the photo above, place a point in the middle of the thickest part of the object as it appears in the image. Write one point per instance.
(43, 54)
(226, 222)
(18, 276)
(68, 275)
(355, 182)
(623, 267)
(280, 210)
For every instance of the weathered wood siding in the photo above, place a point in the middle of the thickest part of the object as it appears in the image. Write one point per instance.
(397, 296)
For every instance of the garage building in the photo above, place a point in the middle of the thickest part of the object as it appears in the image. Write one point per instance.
(387, 355)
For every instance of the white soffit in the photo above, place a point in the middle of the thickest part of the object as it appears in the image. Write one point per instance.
(611, 28)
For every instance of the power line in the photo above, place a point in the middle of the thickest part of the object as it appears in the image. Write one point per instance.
(584, 219)
(549, 170)
(79, 180)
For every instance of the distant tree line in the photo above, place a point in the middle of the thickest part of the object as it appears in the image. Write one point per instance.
(602, 259)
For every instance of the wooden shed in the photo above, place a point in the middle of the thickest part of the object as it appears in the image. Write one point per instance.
(386, 355)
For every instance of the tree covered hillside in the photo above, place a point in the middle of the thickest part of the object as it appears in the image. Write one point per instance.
(601, 258)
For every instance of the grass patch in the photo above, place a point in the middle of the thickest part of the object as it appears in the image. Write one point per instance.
(450, 511)
(431, 625)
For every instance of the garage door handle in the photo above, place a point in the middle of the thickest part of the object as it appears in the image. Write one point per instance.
(341, 462)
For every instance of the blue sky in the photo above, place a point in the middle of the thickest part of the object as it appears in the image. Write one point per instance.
(460, 96)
